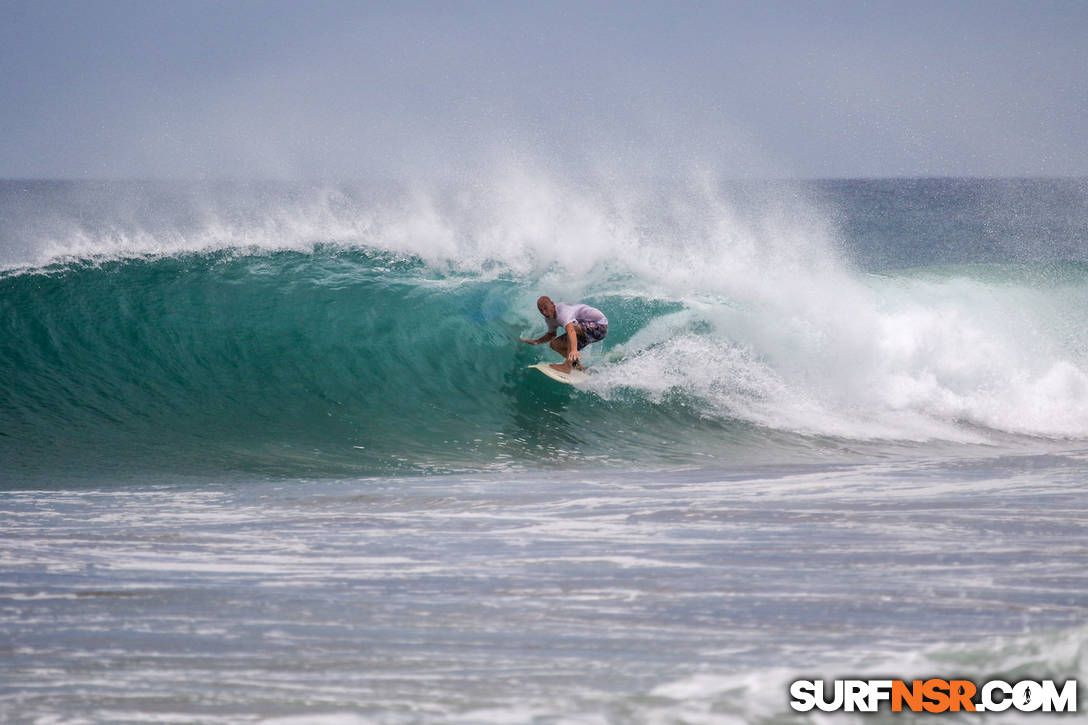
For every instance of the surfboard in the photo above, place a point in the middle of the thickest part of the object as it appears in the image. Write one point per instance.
(574, 377)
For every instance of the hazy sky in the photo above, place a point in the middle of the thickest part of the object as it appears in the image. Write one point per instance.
(330, 89)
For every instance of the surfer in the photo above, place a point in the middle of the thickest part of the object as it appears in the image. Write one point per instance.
(581, 322)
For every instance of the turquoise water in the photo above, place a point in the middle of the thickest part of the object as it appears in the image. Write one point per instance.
(272, 453)
(325, 362)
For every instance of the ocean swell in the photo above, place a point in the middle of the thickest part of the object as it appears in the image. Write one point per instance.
(388, 344)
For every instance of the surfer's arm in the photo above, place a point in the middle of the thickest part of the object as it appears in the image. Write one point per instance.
(572, 340)
(540, 340)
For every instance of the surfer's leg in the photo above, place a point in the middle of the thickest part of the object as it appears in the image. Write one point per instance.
(561, 346)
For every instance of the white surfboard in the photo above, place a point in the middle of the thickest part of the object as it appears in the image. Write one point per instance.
(574, 377)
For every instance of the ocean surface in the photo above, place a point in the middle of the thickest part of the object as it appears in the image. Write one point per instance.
(272, 453)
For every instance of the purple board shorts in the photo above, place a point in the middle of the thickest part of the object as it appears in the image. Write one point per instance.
(590, 332)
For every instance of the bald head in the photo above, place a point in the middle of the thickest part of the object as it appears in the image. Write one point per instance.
(546, 306)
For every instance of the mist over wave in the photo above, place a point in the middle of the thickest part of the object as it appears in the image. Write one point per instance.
(374, 328)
